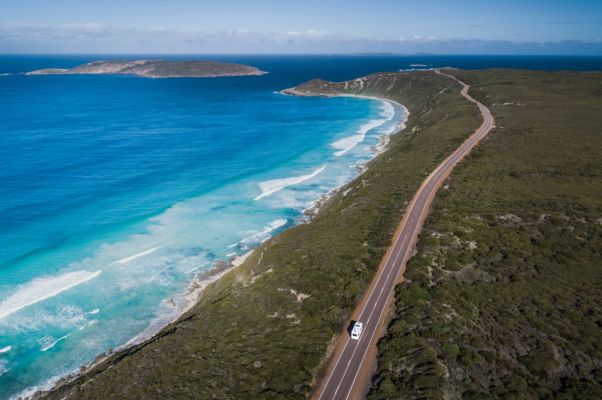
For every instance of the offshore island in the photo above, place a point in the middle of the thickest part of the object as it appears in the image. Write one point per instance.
(500, 298)
(156, 69)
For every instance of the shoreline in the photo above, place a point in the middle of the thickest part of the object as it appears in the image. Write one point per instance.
(361, 167)
(205, 278)
(397, 129)
(202, 280)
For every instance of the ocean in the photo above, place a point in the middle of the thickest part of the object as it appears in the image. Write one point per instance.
(119, 192)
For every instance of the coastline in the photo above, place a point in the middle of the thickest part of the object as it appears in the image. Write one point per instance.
(249, 317)
(202, 280)
(362, 167)
(397, 129)
(382, 147)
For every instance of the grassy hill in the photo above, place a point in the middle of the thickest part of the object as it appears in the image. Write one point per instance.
(503, 297)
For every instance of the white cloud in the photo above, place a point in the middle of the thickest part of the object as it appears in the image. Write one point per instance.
(98, 38)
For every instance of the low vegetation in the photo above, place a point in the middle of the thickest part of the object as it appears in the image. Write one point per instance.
(502, 299)
(263, 331)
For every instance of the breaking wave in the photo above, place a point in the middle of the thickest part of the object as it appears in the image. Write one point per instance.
(346, 144)
(275, 185)
(126, 260)
(48, 342)
(41, 289)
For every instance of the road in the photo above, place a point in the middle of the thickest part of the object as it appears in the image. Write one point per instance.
(346, 377)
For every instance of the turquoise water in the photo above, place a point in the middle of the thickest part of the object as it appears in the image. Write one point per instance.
(116, 191)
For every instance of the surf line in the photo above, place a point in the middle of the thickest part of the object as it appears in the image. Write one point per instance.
(135, 256)
(275, 185)
(41, 289)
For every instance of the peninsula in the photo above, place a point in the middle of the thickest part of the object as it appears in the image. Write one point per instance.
(156, 69)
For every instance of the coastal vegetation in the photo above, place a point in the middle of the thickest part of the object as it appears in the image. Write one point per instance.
(502, 299)
(264, 329)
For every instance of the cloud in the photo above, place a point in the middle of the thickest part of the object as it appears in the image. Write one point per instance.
(99, 38)
(562, 23)
(476, 26)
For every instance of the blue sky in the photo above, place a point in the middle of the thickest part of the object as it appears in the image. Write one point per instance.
(308, 26)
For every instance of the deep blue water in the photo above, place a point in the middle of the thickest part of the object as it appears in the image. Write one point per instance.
(116, 191)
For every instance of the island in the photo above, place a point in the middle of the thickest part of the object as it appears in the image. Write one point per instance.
(156, 69)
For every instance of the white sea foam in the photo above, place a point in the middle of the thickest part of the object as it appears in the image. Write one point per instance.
(197, 267)
(44, 386)
(48, 342)
(275, 185)
(90, 323)
(277, 223)
(265, 232)
(348, 143)
(387, 110)
(135, 256)
(41, 319)
(5, 349)
(3, 367)
(41, 289)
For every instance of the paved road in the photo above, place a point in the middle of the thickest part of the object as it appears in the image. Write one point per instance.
(345, 379)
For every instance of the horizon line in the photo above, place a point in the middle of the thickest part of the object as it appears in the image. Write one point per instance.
(384, 54)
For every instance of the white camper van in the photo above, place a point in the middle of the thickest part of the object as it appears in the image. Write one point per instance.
(356, 332)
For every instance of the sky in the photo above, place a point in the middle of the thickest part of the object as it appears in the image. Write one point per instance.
(302, 26)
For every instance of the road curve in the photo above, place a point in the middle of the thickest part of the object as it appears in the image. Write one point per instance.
(347, 373)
